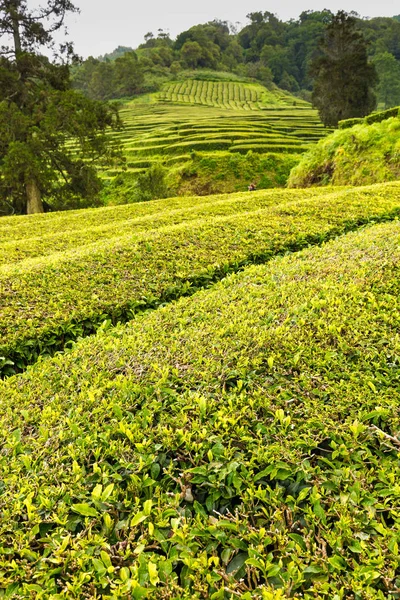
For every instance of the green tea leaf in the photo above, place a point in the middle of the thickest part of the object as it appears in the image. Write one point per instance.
(153, 573)
(85, 509)
(236, 563)
(138, 518)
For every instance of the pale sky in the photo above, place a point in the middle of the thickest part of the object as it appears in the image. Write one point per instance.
(105, 24)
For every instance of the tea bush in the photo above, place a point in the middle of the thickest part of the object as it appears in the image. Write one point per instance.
(49, 301)
(40, 235)
(242, 443)
(224, 94)
(375, 117)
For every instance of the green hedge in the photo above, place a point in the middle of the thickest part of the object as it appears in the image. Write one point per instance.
(199, 145)
(276, 140)
(242, 443)
(180, 158)
(375, 117)
(54, 299)
(263, 148)
(59, 232)
(150, 142)
(347, 123)
(140, 164)
(234, 127)
(142, 151)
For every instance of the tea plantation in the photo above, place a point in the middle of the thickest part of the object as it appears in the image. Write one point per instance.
(139, 263)
(156, 131)
(196, 121)
(226, 94)
(230, 428)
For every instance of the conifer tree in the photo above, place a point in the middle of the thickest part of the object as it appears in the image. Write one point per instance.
(343, 77)
(40, 115)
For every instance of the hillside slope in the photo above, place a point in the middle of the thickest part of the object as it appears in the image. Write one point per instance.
(58, 287)
(368, 152)
(241, 443)
(202, 131)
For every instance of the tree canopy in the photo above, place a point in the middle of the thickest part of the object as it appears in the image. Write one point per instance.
(388, 69)
(267, 49)
(343, 76)
(50, 135)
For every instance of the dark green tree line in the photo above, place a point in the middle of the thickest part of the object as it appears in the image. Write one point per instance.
(266, 49)
(388, 70)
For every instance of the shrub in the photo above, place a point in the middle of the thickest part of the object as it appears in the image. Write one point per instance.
(152, 184)
(58, 298)
(347, 123)
(375, 117)
(243, 442)
(362, 154)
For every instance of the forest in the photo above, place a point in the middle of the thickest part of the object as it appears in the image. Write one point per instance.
(267, 49)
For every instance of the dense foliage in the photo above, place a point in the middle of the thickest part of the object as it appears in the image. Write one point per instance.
(242, 443)
(367, 152)
(343, 77)
(267, 49)
(198, 396)
(388, 71)
(141, 263)
(222, 94)
(39, 112)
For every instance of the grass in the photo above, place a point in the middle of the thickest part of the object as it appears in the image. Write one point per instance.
(241, 443)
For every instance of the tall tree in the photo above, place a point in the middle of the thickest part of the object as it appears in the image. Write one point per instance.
(343, 77)
(128, 76)
(388, 69)
(50, 135)
(191, 54)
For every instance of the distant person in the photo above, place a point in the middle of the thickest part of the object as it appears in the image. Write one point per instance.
(252, 187)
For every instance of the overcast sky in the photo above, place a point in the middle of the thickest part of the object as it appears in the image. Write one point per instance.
(105, 24)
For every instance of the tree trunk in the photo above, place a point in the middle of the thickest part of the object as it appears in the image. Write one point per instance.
(34, 200)
(15, 22)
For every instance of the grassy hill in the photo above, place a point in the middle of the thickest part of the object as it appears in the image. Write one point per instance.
(362, 151)
(192, 122)
(238, 443)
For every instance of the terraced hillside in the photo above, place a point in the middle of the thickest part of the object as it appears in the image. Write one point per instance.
(213, 119)
(226, 94)
(239, 443)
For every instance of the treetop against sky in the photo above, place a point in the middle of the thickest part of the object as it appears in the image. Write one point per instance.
(102, 26)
